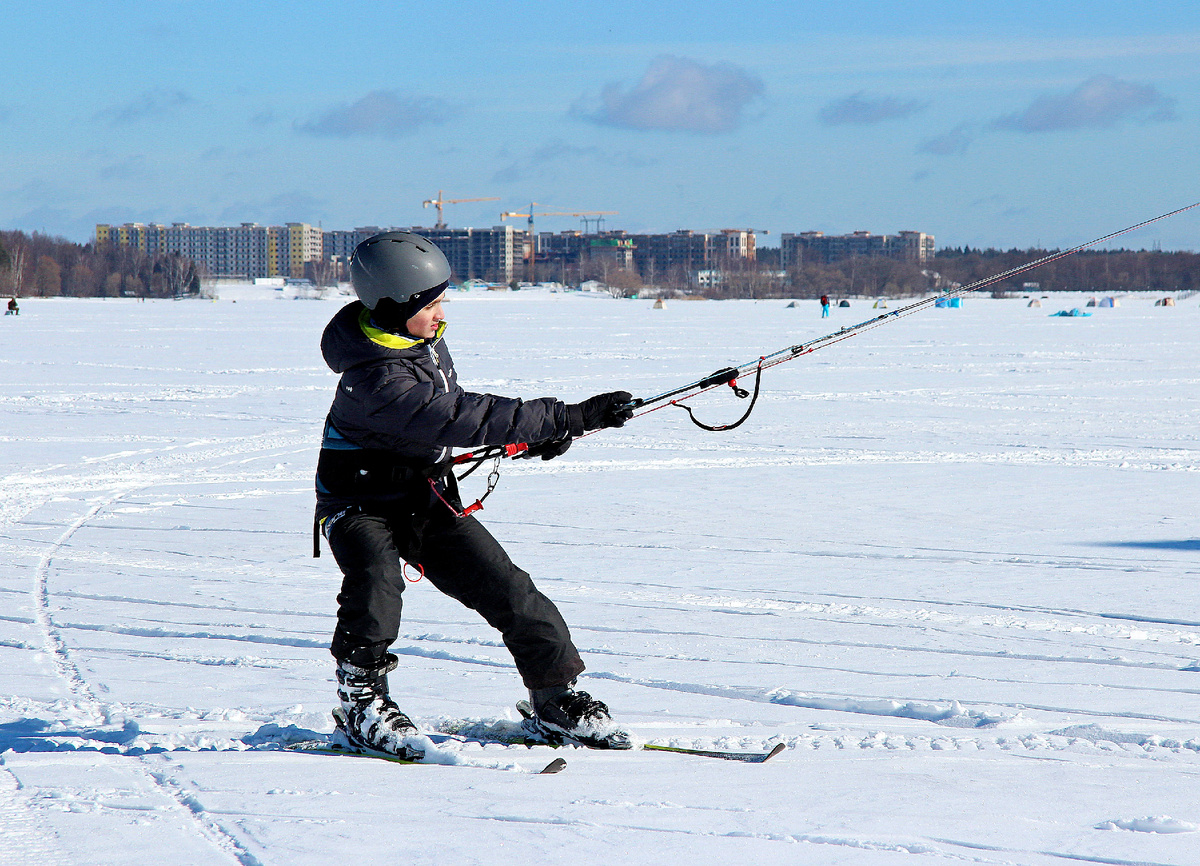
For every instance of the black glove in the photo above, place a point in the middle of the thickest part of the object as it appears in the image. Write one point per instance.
(603, 410)
(548, 449)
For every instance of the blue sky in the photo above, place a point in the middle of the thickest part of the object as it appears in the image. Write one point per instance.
(986, 124)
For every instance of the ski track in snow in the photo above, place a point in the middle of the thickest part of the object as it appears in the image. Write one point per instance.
(953, 714)
(146, 489)
(22, 838)
(184, 802)
(949, 712)
(190, 808)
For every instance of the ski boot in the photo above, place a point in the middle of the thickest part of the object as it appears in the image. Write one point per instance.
(561, 713)
(368, 718)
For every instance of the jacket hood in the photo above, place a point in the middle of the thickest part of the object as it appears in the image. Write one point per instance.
(351, 339)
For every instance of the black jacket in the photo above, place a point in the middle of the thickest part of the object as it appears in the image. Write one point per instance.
(399, 409)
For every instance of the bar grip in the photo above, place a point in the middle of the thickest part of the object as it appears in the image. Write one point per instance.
(718, 378)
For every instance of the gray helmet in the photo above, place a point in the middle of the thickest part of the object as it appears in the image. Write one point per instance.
(396, 265)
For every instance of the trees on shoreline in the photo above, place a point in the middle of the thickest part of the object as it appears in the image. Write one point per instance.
(1093, 271)
(38, 265)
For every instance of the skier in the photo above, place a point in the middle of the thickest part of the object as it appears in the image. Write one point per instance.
(385, 494)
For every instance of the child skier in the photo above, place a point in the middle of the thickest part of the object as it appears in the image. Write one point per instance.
(385, 494)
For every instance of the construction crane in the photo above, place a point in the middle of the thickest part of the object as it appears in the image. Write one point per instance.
(531, 214)
(439, 201)
(533, 237)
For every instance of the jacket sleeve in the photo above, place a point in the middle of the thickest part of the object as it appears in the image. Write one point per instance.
(400, 409)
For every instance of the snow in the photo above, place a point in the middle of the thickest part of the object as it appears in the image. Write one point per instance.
(950, 563)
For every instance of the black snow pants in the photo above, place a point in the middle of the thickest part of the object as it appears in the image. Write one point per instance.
(462, 559)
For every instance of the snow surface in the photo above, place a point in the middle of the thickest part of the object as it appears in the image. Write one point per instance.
(950, 563)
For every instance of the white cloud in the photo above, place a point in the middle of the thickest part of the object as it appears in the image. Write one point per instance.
(954, 142)
(1101, 101)
(382, 113)
(858, 108)
(679, 94)
(150, 104)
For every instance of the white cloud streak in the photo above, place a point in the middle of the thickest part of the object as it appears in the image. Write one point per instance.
(381, 113)
(1100, 102)
(679, 94)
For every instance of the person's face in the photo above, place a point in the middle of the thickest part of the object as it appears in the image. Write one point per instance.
(424, 324)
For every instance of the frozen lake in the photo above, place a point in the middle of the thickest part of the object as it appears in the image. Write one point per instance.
(950, 563)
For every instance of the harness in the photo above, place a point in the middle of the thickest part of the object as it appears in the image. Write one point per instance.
(348, 471)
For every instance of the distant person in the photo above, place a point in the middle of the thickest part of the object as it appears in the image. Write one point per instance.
(824, 306)
(385, 493)
(13, 308)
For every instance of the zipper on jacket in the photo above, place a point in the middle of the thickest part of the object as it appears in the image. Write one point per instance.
(445, 384)
(437, 365)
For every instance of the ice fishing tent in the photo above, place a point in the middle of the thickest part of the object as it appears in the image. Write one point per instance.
(1035, 303)
(881, 304)
(843, 303)
(1165, 302)
(1109, 302)
(660, 304)
(1092, 302)
(791, 305)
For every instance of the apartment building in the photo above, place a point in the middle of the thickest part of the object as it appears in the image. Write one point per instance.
(498, 254)
(493, 254)
(817, 247)
(661, 256)
(248, 250)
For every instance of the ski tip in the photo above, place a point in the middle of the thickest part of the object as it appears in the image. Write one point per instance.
(555, 766)
(744, 757)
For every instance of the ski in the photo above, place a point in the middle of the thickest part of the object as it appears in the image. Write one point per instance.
(410, 755)
(744, 757)
(322, 747)
(555, 739)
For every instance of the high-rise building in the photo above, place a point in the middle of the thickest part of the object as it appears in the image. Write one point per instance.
(248, 250)
(817, 247)
(304, 245)
(339, 244)
(664, 256)
(677, 255)
(488, 254)
(493, 254)
(497, 253)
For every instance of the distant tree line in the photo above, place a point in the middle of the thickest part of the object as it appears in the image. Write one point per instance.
(1091, 271)
(38, 265)
(1095, 271)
